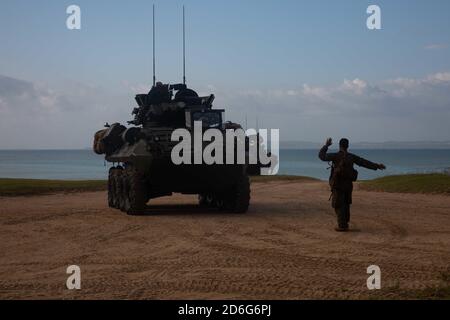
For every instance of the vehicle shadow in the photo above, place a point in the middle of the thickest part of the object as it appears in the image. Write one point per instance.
(182, 209)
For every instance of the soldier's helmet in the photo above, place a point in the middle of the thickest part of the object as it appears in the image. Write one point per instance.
(344, 143)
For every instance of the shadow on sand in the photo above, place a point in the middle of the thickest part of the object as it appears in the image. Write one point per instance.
(184, 210)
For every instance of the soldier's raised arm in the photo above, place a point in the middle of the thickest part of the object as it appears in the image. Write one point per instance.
(368, 164)
(323, 153)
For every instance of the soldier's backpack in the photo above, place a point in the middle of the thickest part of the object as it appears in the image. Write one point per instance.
(343, 171)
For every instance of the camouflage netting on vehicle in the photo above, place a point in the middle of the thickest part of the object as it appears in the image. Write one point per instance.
(99, 146)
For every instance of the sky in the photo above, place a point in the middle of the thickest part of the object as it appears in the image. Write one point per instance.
(309, 68)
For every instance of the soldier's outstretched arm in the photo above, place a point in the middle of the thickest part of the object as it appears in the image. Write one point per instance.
(368, 164)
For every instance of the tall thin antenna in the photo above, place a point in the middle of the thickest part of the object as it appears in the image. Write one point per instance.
(184, 47)
(154, 64)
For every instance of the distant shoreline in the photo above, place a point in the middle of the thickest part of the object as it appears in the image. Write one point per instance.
(281, 148)
(437, 183)
(84, 164)
(308, 145)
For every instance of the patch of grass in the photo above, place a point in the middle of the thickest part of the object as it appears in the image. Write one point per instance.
(282, 178)
(434, 293)
(410, 183)
(29, 187)
(441, 291)
(445, 276)
(26, 187)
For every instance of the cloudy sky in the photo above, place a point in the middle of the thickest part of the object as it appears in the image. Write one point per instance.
(310, 68)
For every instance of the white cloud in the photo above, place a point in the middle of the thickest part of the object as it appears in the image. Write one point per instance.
(356, 86)
(36, 116)
(315, 92)
(354, 97)
(136, 88)
(436, 46)
(442, 77)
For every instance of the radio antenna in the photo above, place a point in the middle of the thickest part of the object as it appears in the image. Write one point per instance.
(184, 46)
(154, 67)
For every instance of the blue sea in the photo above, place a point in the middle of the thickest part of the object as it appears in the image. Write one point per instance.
(84, 164)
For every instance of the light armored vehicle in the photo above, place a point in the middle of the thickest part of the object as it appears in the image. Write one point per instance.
(142, 154)
(143, 168)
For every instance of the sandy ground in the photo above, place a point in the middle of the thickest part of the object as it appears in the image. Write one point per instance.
(284, 248)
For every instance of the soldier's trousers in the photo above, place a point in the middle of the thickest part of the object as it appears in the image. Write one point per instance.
(341, 201)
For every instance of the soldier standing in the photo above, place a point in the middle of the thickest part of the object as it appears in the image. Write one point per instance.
(342, 177)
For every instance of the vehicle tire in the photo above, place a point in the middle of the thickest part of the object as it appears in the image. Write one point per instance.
(202, 200)
(220, 202)
(116, 187)
(211, 201)
(111, 188)
(125, 195)
(238, 200)
(136, 192)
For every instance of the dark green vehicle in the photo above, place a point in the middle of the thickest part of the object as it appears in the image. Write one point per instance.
(141, 155)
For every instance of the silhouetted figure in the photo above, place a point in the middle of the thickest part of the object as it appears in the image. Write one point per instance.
(159, 93)
(342, 177)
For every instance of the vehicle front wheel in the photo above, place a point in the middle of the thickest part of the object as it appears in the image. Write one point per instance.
(136, 192)
(111, 188)
(202, 201)
(114, 187)
(238, 199)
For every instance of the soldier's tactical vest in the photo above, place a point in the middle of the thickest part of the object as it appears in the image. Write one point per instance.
(342, 171)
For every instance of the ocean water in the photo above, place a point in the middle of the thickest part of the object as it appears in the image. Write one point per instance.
(306, 162)
(84, 164)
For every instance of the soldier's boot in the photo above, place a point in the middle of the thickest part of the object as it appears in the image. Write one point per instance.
(341, 220)
(347, 215)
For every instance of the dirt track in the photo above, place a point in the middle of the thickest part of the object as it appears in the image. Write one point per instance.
(284, 248)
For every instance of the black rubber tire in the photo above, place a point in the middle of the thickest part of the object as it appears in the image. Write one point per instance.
(124, 197)
(117, 187)
(202, 201)
(220, 202)
(111, 188)
(137, 195)
(238, 199)
(211, 200)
